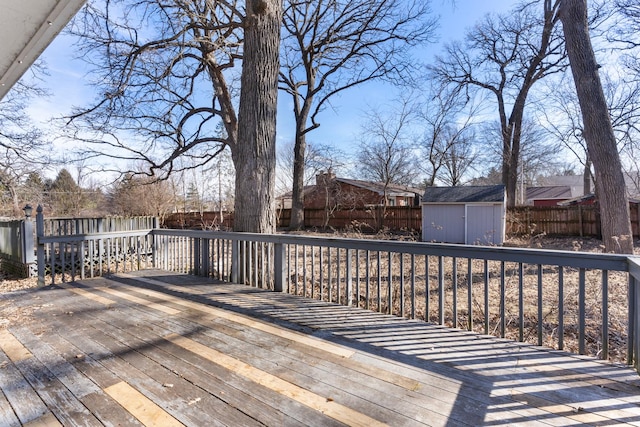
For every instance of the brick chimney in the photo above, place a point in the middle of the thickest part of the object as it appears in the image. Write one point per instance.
(324, 178)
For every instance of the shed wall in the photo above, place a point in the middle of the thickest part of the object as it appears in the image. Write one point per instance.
(485, 224)
(443, 223)
(471, 223)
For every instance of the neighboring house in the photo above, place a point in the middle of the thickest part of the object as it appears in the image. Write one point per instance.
(331, 192)
(574, 182)
(465, 214)
(590, 200)
(548, 196)
(569, 190)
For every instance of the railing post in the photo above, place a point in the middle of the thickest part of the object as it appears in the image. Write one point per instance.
(155, 239)
(279, 257)
(197, 256)
(235, 261)
(28, 244)
(40, 245)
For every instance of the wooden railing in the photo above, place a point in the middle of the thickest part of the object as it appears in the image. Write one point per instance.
(585, 303)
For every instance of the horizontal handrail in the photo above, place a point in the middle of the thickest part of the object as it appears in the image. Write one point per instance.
(612, 262)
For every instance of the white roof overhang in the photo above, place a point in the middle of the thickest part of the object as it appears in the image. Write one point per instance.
(26, 29)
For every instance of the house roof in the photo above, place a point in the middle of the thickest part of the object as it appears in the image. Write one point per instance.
(393, 190)
(464, 194)
(551, 192)
(589, 197)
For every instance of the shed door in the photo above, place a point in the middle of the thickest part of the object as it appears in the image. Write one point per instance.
(484, 225)
(443, 223)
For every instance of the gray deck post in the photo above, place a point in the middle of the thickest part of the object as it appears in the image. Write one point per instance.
(40, 245)
(279, 273)
(28, 256)
(235, 261)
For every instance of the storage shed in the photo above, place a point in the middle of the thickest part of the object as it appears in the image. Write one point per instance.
(466, 214)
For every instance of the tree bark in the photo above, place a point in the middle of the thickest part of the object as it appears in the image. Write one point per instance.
(297, 196)
(254, 155)
(598, 131)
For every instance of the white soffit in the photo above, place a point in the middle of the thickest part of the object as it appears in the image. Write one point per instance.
(26, 29)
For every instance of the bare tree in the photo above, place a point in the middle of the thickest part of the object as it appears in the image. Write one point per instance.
(504, 56)
(625, 30)
(139, 195)
(23, 148)
(162, 91)
(318, 159)
(331, 46)
(460, 157)
(598, 130)
(538, 152)
(386, 151)
(447, 121)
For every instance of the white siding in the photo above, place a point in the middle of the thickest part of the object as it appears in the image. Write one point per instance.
(443, 223)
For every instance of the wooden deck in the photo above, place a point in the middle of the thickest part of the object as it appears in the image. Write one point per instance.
(164, 349)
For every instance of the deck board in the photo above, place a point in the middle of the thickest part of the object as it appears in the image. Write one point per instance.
(153, 346)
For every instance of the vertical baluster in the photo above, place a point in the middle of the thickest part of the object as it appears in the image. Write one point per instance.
(469, 294)
(454, 286)
(313, 271)
(367, 283)
(72, 255)
(540, 307)
(329, 276)
(440, 289)
(63, 260)
(520, 302)
(379, 283)
(389, 283)
(338, 276)
(486, 297)
(321, 274)
(427, 291)
(413, 286)
(502, 300)
(402, 308)
(605, 315)
(357, 277)
(348, 277)
(304, 270)
(581, 310)
(82, 260)
(295, 260)
(560, 307)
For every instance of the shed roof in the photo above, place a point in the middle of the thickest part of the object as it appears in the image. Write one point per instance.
(464, 194)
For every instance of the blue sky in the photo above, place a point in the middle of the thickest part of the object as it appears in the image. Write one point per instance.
(339, 126)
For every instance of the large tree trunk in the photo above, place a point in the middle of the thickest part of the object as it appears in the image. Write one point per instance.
(598, 132)
(297, 196)
(254, 155)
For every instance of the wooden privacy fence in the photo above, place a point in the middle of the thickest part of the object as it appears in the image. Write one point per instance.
(581, 221)
(562, 220)
(365, 219)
